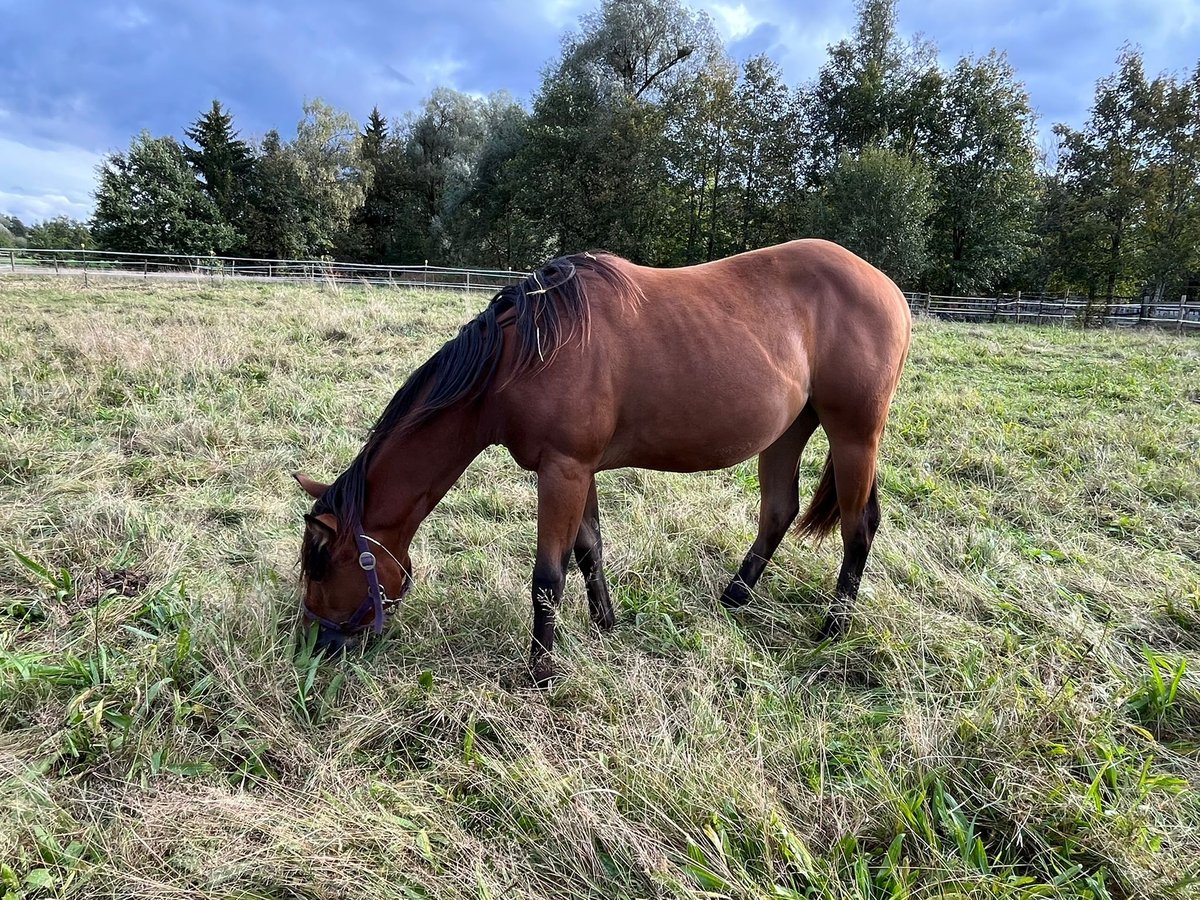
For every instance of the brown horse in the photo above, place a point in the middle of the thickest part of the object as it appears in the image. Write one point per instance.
(595, 363)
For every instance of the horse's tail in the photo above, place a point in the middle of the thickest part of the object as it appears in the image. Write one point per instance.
(822, 514)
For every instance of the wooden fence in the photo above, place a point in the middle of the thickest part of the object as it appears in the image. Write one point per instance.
(95, 263)
(1037, 309)
(1034, 309)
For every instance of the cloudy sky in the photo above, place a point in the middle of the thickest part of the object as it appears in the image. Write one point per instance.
(79, 77)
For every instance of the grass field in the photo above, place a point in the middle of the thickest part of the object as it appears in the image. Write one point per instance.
(1016, 712)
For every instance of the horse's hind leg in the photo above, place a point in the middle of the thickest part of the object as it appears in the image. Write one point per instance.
(589, 554)
(853, 458)
(778, 475)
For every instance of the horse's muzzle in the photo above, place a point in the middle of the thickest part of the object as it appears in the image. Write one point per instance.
(334, 640)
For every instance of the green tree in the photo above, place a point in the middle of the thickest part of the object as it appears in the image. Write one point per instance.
(1171, 227)
(700, 130)
(876, 204)
(641, 49)
(223, 164)
(494, 228)
(61, 233)
(368, 235)
(373, 140)
(1103, 173)
(14, 226)
(554, 166)
(767, 153)
(278, 208)
(983, 156)
(597, 152)
(326, 156)
(874, 89)
(148, 201)
(443, 144)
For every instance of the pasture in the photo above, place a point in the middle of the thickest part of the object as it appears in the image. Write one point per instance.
(1015, 713)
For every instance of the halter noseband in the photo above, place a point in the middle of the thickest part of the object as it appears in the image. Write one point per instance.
(377, 600)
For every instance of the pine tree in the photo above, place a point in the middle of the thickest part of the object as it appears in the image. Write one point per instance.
(374, 137)
(221, 161)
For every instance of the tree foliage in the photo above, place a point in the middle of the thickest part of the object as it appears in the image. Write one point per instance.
(1125, 198)
(876, 204)
(148, 200)
(982, 156)
(61, 233)
(646, 139)
(222, 163)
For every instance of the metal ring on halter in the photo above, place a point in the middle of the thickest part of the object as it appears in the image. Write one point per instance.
(366, 561)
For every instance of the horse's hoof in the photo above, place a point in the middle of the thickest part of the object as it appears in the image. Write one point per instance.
(834, 627)
(605, 618)
(543, 671)
(736, 595)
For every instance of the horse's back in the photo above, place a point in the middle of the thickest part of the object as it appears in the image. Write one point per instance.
(712, 363)
(802, 281)
(806, 306)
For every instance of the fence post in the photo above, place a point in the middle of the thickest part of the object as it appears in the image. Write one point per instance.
(468, 279)
(145, 269)
(995, 308)
(1182, 310)
(12, 260)
(55, 263)
(85, 264)
(425, 276)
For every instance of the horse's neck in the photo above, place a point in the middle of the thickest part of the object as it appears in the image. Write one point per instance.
(410, 474)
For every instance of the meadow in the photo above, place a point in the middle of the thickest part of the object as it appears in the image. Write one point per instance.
(1015, 712)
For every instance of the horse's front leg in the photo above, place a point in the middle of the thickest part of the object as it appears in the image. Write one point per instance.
(563, 486)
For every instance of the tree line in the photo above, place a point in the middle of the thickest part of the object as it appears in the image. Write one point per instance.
(646, 139)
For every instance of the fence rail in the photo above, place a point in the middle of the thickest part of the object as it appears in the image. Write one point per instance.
(96, 263)
(1023, 308)
(1036, 309)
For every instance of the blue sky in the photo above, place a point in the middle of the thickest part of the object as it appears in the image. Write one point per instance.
(78, 79)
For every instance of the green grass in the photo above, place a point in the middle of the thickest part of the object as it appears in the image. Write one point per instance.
(1016, 712)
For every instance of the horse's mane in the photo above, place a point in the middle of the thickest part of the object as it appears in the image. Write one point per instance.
(548, 310)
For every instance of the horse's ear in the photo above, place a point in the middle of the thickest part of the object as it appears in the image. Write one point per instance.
(323, 527)
(314, 489)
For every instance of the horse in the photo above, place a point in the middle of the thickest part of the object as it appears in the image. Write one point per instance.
(594, 363)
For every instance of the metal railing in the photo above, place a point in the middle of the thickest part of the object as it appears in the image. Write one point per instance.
(102, 263)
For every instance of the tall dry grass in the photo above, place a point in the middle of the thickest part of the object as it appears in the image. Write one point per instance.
(1015, 713)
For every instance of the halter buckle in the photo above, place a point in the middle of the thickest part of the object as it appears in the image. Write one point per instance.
(366, 561)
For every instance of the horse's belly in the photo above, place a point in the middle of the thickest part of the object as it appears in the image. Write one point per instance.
(701, 431)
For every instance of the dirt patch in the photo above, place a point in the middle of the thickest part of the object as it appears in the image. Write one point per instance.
(106, 583)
